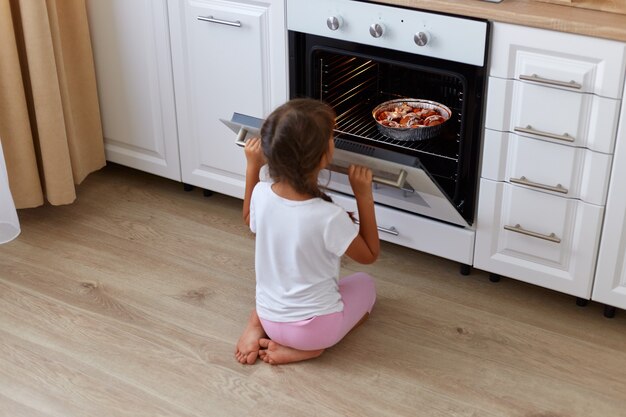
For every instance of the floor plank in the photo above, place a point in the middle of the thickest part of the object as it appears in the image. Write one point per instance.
(130, 302)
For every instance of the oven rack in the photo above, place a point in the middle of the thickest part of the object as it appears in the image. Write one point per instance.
(358, 122)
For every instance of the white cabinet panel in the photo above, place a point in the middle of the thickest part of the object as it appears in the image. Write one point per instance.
(597, 65)
(552, 119)
(537, 237)
(565, 117)
(223, 64)
(610, 282)
(405, 229)
(561, 170)
(217, 80)
(131, 49)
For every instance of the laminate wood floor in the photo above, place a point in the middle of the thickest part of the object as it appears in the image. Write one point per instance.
(130, 301)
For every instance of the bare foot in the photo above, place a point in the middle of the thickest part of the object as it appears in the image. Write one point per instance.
(248, 346)
(275, 354)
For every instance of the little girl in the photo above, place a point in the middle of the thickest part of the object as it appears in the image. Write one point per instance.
(302, 307)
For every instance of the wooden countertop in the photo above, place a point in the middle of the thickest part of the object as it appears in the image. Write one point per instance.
(530, 13)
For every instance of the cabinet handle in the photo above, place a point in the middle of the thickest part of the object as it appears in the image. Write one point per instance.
(519, 229)
(524, 181)
(397, 183)
(391, 230)
(529, 129)
(211, 19)
(534, 77)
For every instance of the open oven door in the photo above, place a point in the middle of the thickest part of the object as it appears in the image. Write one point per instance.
(244, 126)
(400, 181)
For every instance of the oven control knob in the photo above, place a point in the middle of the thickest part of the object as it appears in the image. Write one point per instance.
(421, 38)
(334, 22)
(377, 30)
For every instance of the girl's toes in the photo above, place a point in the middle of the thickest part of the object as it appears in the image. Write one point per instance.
(251, 357)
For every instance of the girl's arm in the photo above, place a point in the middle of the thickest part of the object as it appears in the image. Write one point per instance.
(254, 162)
(366, 246)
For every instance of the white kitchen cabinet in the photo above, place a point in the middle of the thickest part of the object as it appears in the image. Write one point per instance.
(552, 114)
(228, 56)
(131, 47)
(610, 279)
(537, 238)
(565, 171)
(555, 59)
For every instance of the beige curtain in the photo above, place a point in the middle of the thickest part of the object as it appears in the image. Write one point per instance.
(49, 116)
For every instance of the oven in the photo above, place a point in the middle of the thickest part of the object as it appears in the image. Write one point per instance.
(354, 55)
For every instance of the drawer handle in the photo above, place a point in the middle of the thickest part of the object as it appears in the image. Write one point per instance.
(538, 79)
(529, 129)
(391, 230)
(399, 182)
(211, 19)
(519, 229)
(524, 181)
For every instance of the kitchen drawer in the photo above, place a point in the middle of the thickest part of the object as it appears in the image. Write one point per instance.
(555, 58)
(581, 173)
(559, 116)
(537, 237)
(418, 232)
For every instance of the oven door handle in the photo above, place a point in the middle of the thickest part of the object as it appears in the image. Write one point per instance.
(399, 182)
(241, 137)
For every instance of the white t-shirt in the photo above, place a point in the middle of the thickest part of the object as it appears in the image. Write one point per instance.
(298, 250)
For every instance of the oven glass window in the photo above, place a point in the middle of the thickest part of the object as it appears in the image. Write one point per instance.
(354, 86)
(354, 79)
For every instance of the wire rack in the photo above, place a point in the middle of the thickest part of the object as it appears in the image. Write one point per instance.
(352, 86)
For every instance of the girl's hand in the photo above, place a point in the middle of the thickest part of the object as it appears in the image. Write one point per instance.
(254, 153)
(254, 160)
(360, 180)
(366, 246)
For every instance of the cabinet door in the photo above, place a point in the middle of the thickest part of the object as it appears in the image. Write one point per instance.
(564, 117)
(610, 283)
(537, 237)
(561, 60)
(565, 171)
(131, 49)
(222, 64)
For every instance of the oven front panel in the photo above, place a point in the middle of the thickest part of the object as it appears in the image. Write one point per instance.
(459, 39)
(355, 78)
(396, 185)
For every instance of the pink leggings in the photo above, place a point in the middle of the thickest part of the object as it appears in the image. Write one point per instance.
(358, 294)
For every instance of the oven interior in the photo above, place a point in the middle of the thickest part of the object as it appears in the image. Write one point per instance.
(355, 79)
(353, 86)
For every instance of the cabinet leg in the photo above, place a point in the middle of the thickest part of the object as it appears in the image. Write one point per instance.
(187, 187)
(494, 277)
(465, 269)
(207, 193)
(581, 302)
(609, 312)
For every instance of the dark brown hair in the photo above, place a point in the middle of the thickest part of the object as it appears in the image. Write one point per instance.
(294, 139)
